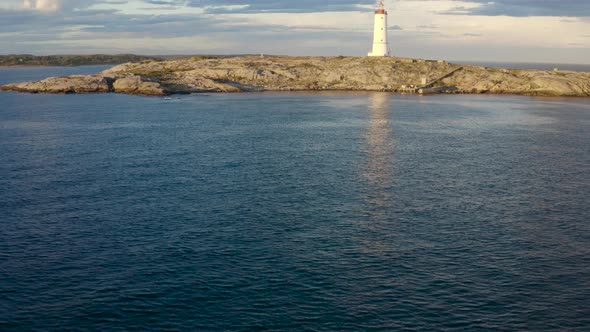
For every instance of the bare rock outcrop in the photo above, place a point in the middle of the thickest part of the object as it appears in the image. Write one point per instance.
(64, 84)
(521, 82)
(136, 85)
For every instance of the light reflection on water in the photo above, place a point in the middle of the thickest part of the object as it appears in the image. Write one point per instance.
(377, 173)
(380, 148)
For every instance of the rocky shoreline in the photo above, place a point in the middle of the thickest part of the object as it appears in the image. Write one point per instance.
(281, 73)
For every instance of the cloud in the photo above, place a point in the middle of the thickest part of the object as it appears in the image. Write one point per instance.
(50, 5)
(428, 27)
(522, 8)
(517, 8)
(282, 6)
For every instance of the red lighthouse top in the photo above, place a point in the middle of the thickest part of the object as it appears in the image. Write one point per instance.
(381, 9)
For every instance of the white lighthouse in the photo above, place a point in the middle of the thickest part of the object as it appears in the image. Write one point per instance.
(380, 46)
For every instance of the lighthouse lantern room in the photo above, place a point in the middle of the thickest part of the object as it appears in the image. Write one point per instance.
(380, 45)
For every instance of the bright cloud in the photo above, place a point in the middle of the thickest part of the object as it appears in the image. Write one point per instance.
(50, 5)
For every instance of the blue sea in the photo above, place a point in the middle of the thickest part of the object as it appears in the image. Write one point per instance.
(292, 212)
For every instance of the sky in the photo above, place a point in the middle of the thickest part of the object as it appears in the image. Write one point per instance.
(555, 31)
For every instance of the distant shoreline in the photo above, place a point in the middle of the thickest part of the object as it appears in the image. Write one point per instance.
(53, 66)
(28, 60)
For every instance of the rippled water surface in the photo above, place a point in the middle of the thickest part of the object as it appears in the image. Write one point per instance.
(319, 212)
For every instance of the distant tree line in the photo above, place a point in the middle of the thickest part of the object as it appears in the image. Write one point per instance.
(69, 60)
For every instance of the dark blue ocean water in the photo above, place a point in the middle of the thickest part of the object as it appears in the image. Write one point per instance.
(294, 211)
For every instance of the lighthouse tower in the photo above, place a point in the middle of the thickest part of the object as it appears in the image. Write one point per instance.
(380, 46)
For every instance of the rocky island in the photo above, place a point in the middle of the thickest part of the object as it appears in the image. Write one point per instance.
(282, 73)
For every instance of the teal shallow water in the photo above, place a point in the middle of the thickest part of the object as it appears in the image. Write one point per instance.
(293, 212)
